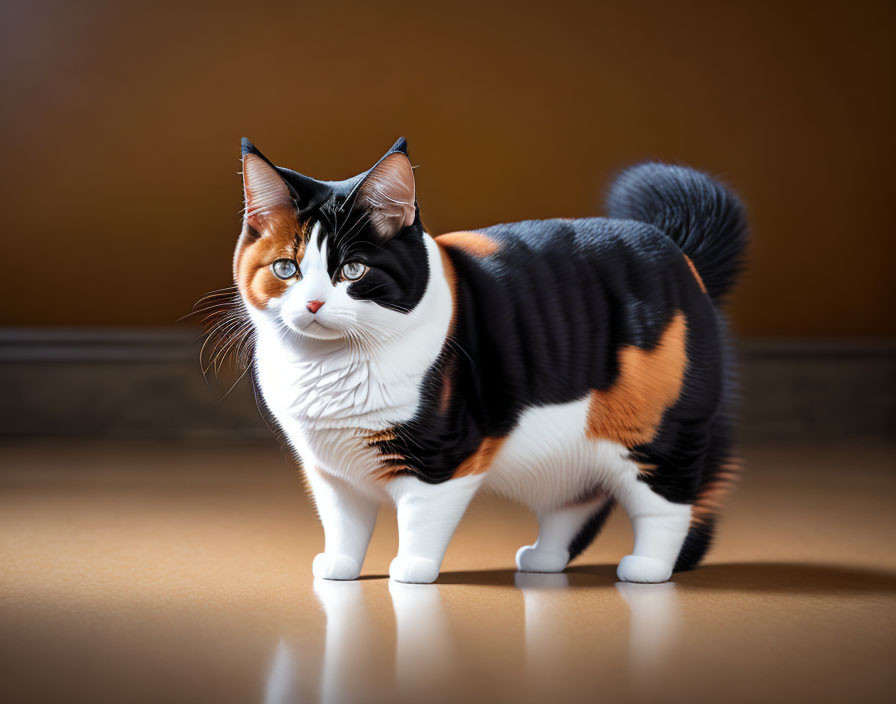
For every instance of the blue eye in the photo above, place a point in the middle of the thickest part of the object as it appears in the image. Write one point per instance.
(284, 268)
(353, 271)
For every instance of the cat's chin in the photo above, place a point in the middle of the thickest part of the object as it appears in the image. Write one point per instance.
(317, 331)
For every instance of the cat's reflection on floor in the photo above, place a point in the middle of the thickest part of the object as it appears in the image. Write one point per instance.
(654, 617)
(654, 623)
(355, 664)
(424, 653)
(350, 647)
(545, 606)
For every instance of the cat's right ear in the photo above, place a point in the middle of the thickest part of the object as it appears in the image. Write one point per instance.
(266, 194)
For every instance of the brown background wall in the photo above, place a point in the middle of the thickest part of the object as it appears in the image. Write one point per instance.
(121, 122)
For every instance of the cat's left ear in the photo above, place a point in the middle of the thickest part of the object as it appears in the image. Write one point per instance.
(266, 194)
(389, 193)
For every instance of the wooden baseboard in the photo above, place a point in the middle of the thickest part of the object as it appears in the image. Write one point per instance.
(147, 383)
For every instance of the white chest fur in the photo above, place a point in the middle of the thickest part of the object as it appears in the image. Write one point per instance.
(328, 407)
(329, 397)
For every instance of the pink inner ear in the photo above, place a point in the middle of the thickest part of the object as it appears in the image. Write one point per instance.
(388, 191)
(266, 193)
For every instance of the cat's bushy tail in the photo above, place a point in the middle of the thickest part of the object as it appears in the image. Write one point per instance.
(705, 219)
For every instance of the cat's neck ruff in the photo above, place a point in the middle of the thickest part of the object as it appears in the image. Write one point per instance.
(336, 383)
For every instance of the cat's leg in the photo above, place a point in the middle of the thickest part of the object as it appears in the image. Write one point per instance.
(560, 533)
(427, 517)
(348, 517)
(660, 527)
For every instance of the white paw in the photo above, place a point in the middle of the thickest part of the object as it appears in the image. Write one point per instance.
(415, 570)
(635, 568)
(333, 565)
(532, 559)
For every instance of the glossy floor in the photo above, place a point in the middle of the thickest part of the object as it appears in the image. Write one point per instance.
(160, 574)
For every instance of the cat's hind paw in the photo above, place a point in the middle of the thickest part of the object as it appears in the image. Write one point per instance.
(532, 559)
(650, 570)
(329, 565)
(414, 570)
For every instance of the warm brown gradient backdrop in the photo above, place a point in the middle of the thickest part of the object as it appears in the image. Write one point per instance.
(121, 124)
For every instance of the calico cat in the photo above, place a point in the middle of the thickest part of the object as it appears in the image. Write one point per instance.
(566, 364)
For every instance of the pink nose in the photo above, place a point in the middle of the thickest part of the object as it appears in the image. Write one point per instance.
(314, 306)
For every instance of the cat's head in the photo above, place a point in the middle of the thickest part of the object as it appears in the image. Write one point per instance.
(331, 260)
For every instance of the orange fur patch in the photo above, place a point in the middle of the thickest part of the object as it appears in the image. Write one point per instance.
(381, 436)
(648, 383)
(393, 464)
(477, 463)
(392, 469)
(445, 392)
(695, 273)
(645, 469)
(281, 238)
(482, 459)
(451, 279)
(709, 499)
(474, 243)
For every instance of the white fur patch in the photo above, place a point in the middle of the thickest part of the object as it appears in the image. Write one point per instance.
(548, 461)
(427, 517)
(327, 393)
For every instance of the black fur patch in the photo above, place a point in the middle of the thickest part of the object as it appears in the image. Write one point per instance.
(399, 269)
(696, 544)
(589, 531)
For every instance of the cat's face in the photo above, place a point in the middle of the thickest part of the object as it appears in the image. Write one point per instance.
(336, 261)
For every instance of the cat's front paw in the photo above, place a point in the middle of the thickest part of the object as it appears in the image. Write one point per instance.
(635, 568)
(415, 570)
(532, 559)
(332, 565)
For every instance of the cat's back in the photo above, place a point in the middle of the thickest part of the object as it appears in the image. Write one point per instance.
(586, 236)
(620, 276)
(547, 308)
(569, 250)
